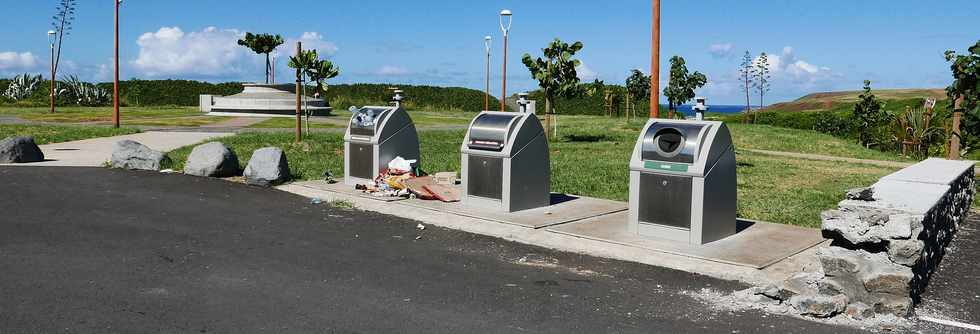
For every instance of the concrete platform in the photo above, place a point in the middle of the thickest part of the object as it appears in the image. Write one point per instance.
(564, 208)
(756, 245)
(344, 189)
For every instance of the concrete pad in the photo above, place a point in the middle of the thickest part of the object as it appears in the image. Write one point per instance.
(96, 151)
(564, 209)
(756, 245)
(342, 188)
(545, 238)
(932, 171)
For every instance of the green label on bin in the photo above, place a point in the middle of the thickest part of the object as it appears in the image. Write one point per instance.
(673, 167)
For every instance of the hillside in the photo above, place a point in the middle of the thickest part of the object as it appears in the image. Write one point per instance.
(831, 100)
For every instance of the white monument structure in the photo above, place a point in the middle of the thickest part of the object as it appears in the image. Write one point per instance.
(262, 100)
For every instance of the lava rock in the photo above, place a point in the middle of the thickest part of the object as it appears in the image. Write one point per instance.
(20, 150)
(212, 159)
(859, 311)
(819, 306)
(861, 194)
(905, 252)
(130, 154)
(267, 167)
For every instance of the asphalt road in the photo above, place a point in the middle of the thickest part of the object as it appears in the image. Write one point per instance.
(99, 250)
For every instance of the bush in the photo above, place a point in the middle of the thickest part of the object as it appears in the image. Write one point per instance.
(835, 124)
(416, 97)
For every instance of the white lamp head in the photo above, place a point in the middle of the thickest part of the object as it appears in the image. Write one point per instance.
(51, 32)
(506, 13)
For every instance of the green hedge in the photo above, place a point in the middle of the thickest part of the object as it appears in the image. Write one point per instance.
(417, 97)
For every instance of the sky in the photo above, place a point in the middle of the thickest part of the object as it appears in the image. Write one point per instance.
(814, 45)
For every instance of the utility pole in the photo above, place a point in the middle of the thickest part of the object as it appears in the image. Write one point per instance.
(954, 140)
(299, 82)
(486, 96)
(115, 82)
(655, 63)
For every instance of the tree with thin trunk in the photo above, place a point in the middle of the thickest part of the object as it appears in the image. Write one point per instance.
(746, 78)
(965, 89)
(637, 88)
(555, 74)
(61, 23)
(761, 74)
(682, 84)
(262, 44)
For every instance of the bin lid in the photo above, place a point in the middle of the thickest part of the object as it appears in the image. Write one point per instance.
(672, 142)
(490, 131)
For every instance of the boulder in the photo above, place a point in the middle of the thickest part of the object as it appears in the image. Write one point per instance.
(267, 167)
(212, 159)
(20, 150)
(861, 194)
(818, 305)
(859, 311)
(887, 277)
(129, 154)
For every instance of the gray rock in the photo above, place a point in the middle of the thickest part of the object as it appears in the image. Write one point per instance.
(861, 194)
(129, 154)
(863, 226)
(267, 167)
(905, 252)
(804, 283)
(887, 277)
(20, 150)
(859, 311)
(212, 159)
(900, 306)
(838, 261)
(819, 306)
(899, 226)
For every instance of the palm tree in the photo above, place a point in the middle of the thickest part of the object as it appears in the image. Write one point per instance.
(262, 44)
(319, 70)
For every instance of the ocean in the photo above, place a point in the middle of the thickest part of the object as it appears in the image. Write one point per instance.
(714, 108)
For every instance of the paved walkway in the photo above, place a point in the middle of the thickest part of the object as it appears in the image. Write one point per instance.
(94, 152)
(895, 164)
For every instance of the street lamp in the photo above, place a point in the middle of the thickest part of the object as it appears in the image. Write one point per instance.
(51, 36)
(486, 97)
(510, 19)
(115, 82)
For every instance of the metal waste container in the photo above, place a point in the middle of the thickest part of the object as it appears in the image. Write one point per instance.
(375, 136)
(683, 181)
(505, 164)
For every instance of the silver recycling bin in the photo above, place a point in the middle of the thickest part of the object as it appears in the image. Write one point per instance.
(375, 136)
(683, 181)
(505, 162)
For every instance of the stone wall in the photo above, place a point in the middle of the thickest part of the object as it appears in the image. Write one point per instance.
(888, 239)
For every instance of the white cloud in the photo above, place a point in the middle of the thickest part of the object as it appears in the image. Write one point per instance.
(788, 66)
(585, 73)
(210, 52)
(721, 50)
(390, 70)
(13, 61)
(311, 40)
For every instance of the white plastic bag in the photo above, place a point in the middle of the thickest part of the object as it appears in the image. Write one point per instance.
(399, 165)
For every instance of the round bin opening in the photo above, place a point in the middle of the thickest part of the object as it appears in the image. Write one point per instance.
(668, 142)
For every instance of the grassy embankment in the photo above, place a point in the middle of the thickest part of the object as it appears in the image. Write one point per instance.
(130, 116)
(591, 155)
(46, 134)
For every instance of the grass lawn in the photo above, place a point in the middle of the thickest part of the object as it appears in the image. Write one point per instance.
(46, 134)
(152, 116)
(591, 155)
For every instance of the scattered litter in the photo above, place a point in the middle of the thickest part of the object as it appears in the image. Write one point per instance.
(167, 171)
(420, 227)
(399, 165)
(316, 201)
(510, 285)
(328, 176)
(418, 237)
(446, 178)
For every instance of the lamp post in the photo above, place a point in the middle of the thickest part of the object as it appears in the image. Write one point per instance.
(486, 97)
(655, 63)
(115, 82)
(506, 29)
(51, 37)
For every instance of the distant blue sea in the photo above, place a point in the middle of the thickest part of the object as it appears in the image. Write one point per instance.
(714, 108)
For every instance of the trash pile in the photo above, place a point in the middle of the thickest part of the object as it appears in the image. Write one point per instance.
(404, 179)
